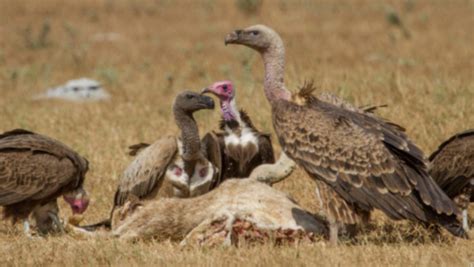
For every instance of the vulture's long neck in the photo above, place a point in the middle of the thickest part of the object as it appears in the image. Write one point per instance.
(189, 134)
(230, 111)
(274, 61)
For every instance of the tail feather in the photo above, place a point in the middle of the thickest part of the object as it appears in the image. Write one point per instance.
(453, 226)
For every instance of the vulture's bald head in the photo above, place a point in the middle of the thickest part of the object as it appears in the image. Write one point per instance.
(78, 200)
(190, 102)
(259, 37)
(222, 89)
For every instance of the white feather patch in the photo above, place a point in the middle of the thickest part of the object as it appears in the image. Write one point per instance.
(246, 137)
(200, 181)
(201, 184)
(181, 180)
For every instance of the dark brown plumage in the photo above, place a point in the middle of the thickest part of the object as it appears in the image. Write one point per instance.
(238, 161)
(369, 162)
(452, 167)
(35, 170)
(242, 146)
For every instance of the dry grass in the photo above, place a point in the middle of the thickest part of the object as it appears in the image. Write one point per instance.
(164, 46)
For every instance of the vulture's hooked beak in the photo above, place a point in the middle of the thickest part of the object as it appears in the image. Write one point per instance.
(233, 37)
(207, 102)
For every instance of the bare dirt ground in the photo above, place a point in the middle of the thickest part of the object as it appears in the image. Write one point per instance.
(145, 52)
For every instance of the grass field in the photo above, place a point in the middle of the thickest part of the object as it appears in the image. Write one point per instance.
(162, 47)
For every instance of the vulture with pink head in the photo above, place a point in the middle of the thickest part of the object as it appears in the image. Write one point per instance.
(34, 171)
(242, 146)
(369, 162)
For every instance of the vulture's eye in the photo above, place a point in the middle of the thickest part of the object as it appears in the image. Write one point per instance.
(224, 87)
(190, 96)
(254, 33)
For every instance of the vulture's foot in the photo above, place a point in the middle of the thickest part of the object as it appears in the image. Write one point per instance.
(27, 228)
(54, 217)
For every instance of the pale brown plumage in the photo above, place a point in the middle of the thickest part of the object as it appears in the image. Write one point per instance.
(145, 174)
(172, 166)
(336, 208)
(366, 161)
(144, 177)
(452, 167)
(452, 164)
(369, 162)
(35, 170)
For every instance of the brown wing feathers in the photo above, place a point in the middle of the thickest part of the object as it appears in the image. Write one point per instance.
(452, 164)
(36, 169)
(368, 162)
(147, 170)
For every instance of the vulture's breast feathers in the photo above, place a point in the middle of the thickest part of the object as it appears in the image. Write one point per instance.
(241, 143)
(184, 185)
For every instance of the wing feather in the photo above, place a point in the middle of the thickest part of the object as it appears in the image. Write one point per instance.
(211, 145)
(147, 170)
(452, 164)
(365, 160)
(265, 149)
(34, 167)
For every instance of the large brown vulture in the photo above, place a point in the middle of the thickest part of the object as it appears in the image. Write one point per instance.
(34, 171)
(369, 162)
(452, 167)
(243, 147)
(178, 160)
(172, 166)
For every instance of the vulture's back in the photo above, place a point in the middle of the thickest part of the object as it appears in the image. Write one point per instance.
(452, 164)
(35, 168)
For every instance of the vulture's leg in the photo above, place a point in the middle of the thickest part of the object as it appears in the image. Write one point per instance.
(274, 173)
(26, 228)
(465, 222)
(56, 221)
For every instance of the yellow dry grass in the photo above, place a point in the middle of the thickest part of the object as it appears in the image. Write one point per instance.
(163, 47)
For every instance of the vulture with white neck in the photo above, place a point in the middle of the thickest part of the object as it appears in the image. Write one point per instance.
(34, 171)
(172, 166)
(178, 162)
(242, 146)
(452, 167)
(369, 162)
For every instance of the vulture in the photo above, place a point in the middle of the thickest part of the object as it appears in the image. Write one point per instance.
(34, 171)
(452, 167)
(171, 166)
(180, 161)
(242, 146)
(369, 162)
